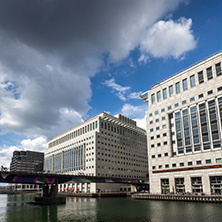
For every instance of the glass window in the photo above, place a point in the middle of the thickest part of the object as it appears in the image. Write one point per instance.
(218, 69)
(200, 96)
(164, 93)
(190, 163)
(156, 112)
(153, 98)
(162, 110)
(182, 164)
(151, 122)
(192, 99)
(174, 165)
(200, 77)
(176, 105)
(219, 88)
(208, 161)
(218, 160)
(185, 86)
(150, 114)
(198, 162)
(192, 81)
(169, 107)
(171, 90)
(209, 73)
(151, 130)
(163, 117)
(184, 102)
(177, 87)
(210, 92)
(164, 126)
(157, 120)
(167, 166)
(158, 96)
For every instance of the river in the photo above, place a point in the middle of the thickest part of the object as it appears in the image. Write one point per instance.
(15, 208)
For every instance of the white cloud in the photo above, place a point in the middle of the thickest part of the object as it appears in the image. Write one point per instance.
(168, 38)
(6, 152)
(122, 92)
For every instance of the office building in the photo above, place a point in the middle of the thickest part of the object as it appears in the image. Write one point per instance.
(26, 161)
(184, 126)
(104, 145)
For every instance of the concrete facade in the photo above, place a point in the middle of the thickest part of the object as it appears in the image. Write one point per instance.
(185, 131)
(101, 146)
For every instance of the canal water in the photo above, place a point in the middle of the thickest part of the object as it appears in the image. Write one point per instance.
(15, 208)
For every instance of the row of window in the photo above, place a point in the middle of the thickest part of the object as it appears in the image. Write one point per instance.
(189, 163)
(177, 88)
(74, 134)
(196, 185)
(183, 103)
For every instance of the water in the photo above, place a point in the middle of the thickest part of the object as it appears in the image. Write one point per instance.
(15, 208)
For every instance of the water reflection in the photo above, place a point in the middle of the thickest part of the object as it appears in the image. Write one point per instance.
(15, 208)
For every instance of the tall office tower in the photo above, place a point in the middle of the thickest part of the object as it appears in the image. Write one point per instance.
(184, 126)
(26, 161)
(101, 146)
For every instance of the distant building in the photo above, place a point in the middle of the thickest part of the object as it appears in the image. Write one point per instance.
(26, 161)
(184, 126)
(101, 146)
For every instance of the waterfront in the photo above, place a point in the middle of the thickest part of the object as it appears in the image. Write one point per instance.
(15, 208)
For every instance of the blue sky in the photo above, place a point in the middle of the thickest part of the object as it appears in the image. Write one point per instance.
(64, 62)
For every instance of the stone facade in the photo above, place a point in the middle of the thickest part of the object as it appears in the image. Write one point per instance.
(184, 126)
(105, 145)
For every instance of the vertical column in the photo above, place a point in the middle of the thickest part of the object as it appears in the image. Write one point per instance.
(86, 187)
(80, 187)
(75, 187)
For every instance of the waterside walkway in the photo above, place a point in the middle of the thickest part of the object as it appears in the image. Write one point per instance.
(177, 197)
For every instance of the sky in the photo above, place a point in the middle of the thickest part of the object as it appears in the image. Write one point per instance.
(63, 62)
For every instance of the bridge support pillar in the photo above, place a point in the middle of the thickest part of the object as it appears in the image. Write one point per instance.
(50, 196)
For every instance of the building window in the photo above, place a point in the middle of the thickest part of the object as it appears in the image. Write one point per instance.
(160, 166)
(176, 105)
(167, 166)
(164, 126)
(164, 93)
(152, 145)
(200, 96)
(219, 88)
(157, 120)
(218, 69)
(190, 163)
(162, 110)
(158, 144)
(151, 130)
(208, 161)
(164, 134)
(171, 90)
(182, 164)
(152, 137)
(165, 143)
(156, 112)
(209, 73)
(192, 99)
(200, 77)
(158, 136)
(159, 155)
(174, 165)
(153, 99)
(198, 162)
(151, 122)
(153, 156)
(185, 86)
(218, 160)
(154, 167)
(210, 92)
(169, 107)
(157, 128)
(158, 96)
(163, 117)
(192, 81)
(177, 87)
(165, 154)
(184, 102)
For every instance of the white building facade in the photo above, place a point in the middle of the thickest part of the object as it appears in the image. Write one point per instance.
(101, 146)
(184, 126)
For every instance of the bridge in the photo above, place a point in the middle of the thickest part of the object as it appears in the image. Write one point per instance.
(46, 178)
(50, 182)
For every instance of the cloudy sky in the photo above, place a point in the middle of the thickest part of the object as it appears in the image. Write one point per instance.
(62, 62)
